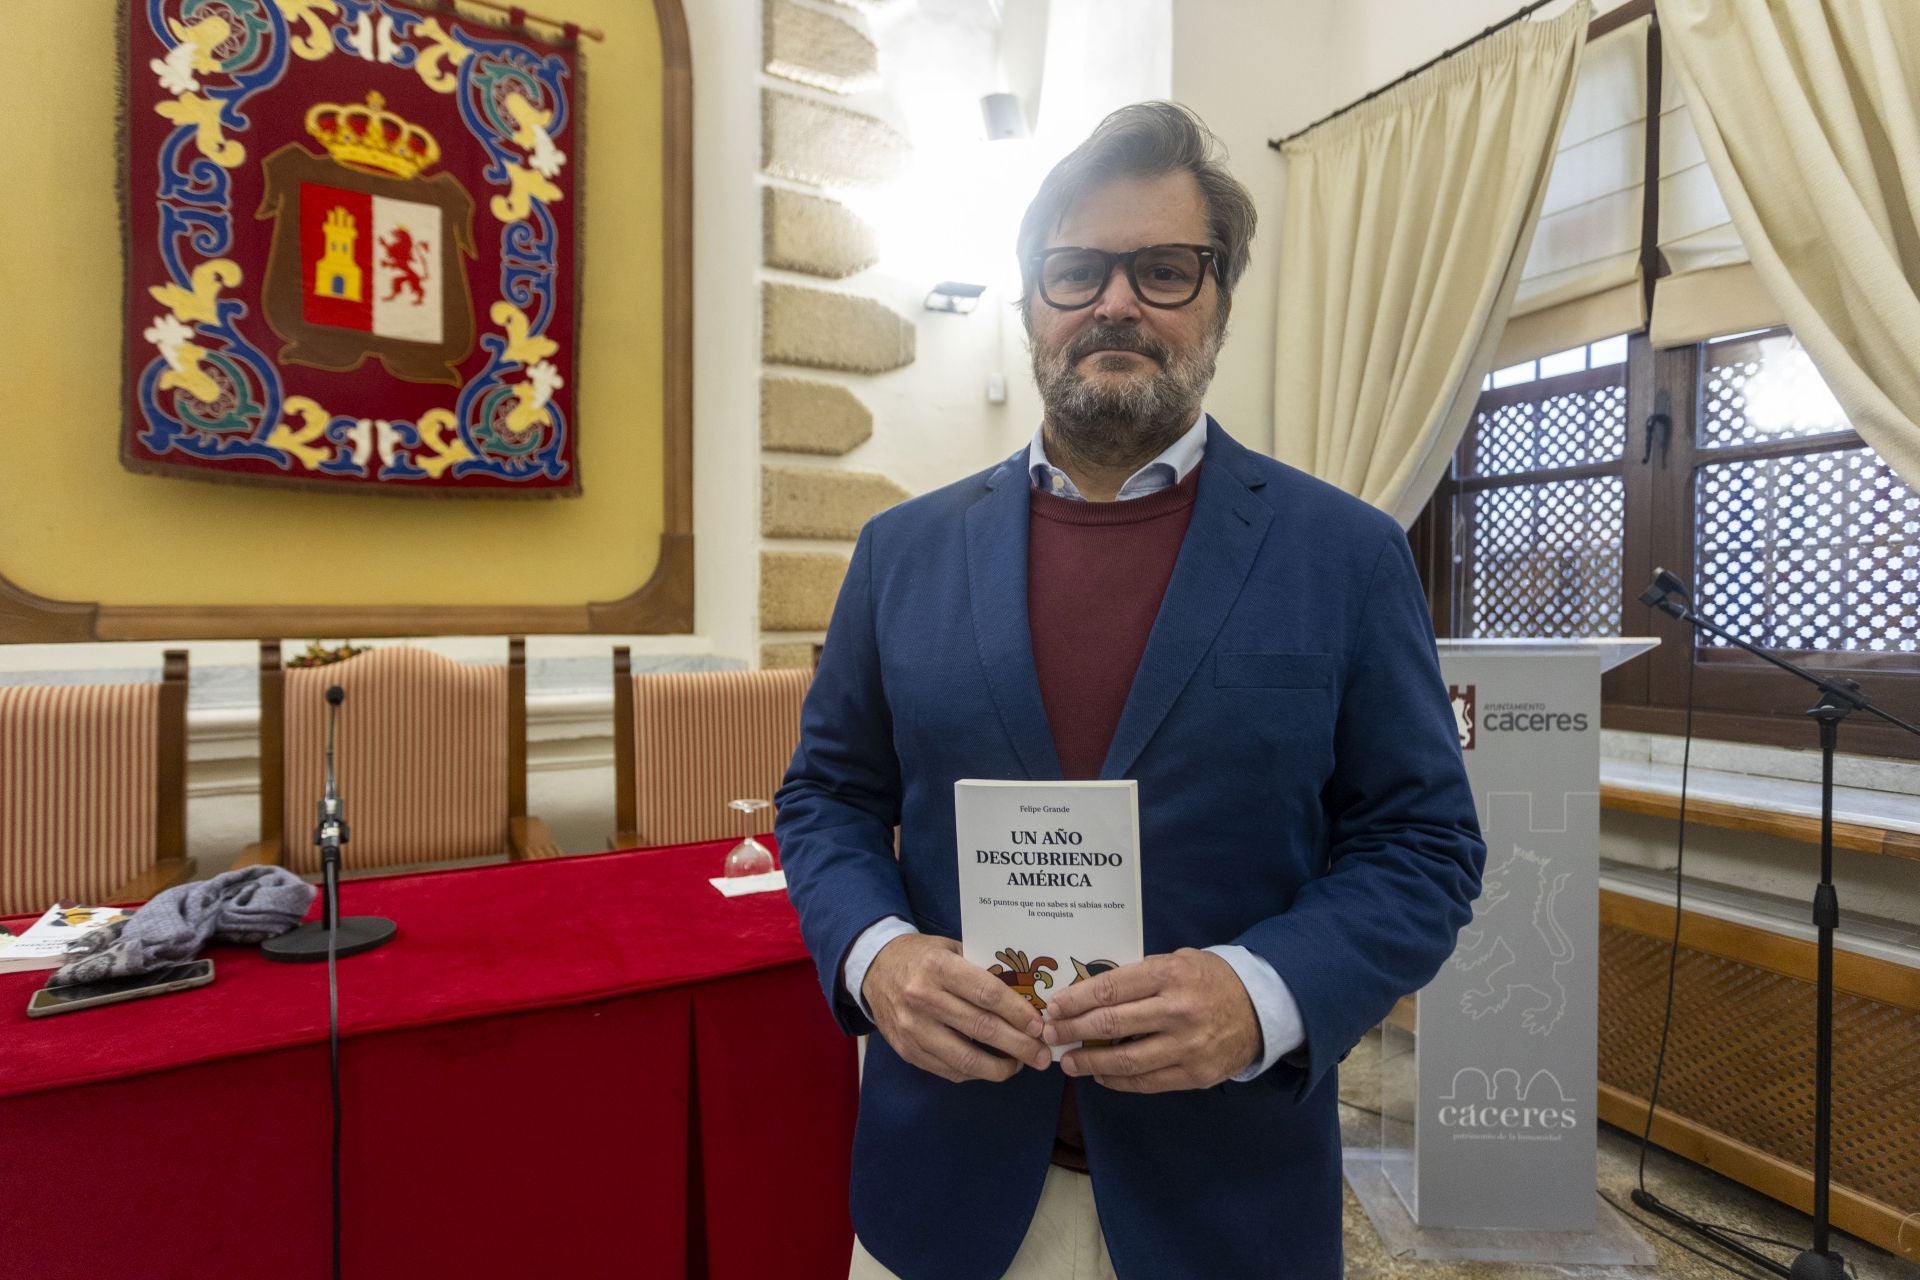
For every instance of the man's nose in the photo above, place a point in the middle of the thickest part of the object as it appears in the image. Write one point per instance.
(1117, 301)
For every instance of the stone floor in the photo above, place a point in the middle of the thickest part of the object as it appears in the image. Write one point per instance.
(1680, 1183)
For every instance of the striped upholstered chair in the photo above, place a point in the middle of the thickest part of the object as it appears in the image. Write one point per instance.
(685, 743)
(431, 760)
(93, 791)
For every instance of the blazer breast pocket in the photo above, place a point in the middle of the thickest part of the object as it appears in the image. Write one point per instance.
(1273, 670)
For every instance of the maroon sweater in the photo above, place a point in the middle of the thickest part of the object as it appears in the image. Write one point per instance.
(1096, 573)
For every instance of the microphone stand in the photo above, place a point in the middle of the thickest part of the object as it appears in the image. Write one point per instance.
(351, 936)
(1839, 698)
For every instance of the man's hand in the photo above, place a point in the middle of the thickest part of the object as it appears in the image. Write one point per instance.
(937, 1011)
(1186, 1022)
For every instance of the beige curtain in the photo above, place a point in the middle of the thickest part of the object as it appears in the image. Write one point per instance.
(1809, 115)
(1407, 224)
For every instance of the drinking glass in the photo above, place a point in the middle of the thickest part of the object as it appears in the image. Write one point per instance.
(749, 857)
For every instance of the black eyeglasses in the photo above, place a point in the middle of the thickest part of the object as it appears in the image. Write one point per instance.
(1162, 275)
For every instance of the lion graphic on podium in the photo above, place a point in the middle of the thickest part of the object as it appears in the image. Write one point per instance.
(1516, 937)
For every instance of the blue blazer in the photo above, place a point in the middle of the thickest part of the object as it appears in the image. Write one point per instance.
(1301, 794)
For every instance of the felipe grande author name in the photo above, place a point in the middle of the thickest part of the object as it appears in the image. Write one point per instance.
(1045, 808)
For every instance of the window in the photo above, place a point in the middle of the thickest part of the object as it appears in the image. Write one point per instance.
(1537, 499)
(1791, 531)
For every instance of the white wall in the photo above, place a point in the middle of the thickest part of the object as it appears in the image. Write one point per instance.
(726, 324)
(1254, 72)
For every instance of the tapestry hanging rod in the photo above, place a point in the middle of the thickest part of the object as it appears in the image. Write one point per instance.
(518, 17)
(1509, 20)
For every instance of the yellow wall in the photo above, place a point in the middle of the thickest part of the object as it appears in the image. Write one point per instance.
(76, 525)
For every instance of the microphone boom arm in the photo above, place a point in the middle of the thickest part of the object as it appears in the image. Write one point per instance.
(1839, 691)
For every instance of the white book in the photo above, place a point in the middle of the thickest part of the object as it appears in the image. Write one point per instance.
(1049, 881)
(44, 944)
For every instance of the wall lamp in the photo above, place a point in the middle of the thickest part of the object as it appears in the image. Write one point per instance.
(954, 296)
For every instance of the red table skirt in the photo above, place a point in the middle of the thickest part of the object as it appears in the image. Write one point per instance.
(696, 1129)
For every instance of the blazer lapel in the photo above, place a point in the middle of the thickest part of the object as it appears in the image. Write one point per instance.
(1229, 523)
(997, 582)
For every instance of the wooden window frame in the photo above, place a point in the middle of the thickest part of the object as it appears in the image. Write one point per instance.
(1736, 697)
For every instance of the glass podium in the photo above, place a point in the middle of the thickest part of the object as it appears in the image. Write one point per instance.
(1488, 1082)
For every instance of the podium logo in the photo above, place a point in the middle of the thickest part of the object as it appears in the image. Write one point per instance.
(1501, 1105)
(1517, 939)
(1463, 704)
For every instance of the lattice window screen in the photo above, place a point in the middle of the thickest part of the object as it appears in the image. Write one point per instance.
(1538, 533)
(1793, 400)
(1546, 559)
(1810, 551)
(1542, 435)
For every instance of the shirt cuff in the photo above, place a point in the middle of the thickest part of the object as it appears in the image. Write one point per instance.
(853, 974)
(1281, 1030)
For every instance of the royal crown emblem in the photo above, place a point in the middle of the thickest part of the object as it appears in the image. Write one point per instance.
(371, 138)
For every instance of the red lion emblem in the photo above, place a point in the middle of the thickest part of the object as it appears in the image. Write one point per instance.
(408, 262)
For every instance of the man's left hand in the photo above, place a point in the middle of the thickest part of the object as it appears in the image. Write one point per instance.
(1185, 1020)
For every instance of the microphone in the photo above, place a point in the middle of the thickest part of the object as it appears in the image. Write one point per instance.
(330, 934)
(1660, 593)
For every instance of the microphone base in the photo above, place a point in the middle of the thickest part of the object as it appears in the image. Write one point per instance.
(309, 942)
(1811, 1265)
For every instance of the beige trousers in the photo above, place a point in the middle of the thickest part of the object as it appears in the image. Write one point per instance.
(1063, 1242)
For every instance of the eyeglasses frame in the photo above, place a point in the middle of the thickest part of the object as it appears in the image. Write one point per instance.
(1209, 257)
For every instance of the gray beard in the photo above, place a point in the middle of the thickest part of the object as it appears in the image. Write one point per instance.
(1129, 424)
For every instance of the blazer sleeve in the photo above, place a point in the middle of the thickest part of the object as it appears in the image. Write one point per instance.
(840, 802)
(1404, 847)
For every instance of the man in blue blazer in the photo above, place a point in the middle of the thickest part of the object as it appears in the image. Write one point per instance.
(1131, 595)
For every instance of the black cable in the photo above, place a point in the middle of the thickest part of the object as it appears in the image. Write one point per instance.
(1676, 1240)
(1673, 950)
(1730, 1229)
(1666, 1023)
(333, 1054)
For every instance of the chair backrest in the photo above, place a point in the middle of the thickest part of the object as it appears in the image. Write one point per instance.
(92, 787)
(688, 742)
(422, 759)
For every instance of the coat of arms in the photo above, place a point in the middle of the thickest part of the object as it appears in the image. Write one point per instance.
(369, 255)
(351, 257)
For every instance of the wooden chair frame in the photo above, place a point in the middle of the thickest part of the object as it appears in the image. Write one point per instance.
(171, 865)
(626, 798)
(527, 836)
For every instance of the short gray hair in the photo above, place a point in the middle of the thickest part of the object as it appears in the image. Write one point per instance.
(1145, 140)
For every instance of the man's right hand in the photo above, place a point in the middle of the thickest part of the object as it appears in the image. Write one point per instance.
(938, 1010)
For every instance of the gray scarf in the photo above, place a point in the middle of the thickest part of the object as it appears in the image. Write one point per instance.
(248, 905)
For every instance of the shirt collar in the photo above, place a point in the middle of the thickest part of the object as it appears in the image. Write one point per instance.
(1173, 465)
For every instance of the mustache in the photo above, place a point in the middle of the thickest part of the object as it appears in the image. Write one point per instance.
(1114, 337)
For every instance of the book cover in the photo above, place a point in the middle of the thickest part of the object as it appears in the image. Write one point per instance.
(44, 944)
(1049, 881)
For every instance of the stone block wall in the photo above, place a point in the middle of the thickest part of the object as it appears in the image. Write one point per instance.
(815, 143)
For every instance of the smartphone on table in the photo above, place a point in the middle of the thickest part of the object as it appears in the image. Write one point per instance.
(180, 977)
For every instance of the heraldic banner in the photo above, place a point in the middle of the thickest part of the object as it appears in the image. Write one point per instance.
(351, 240)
